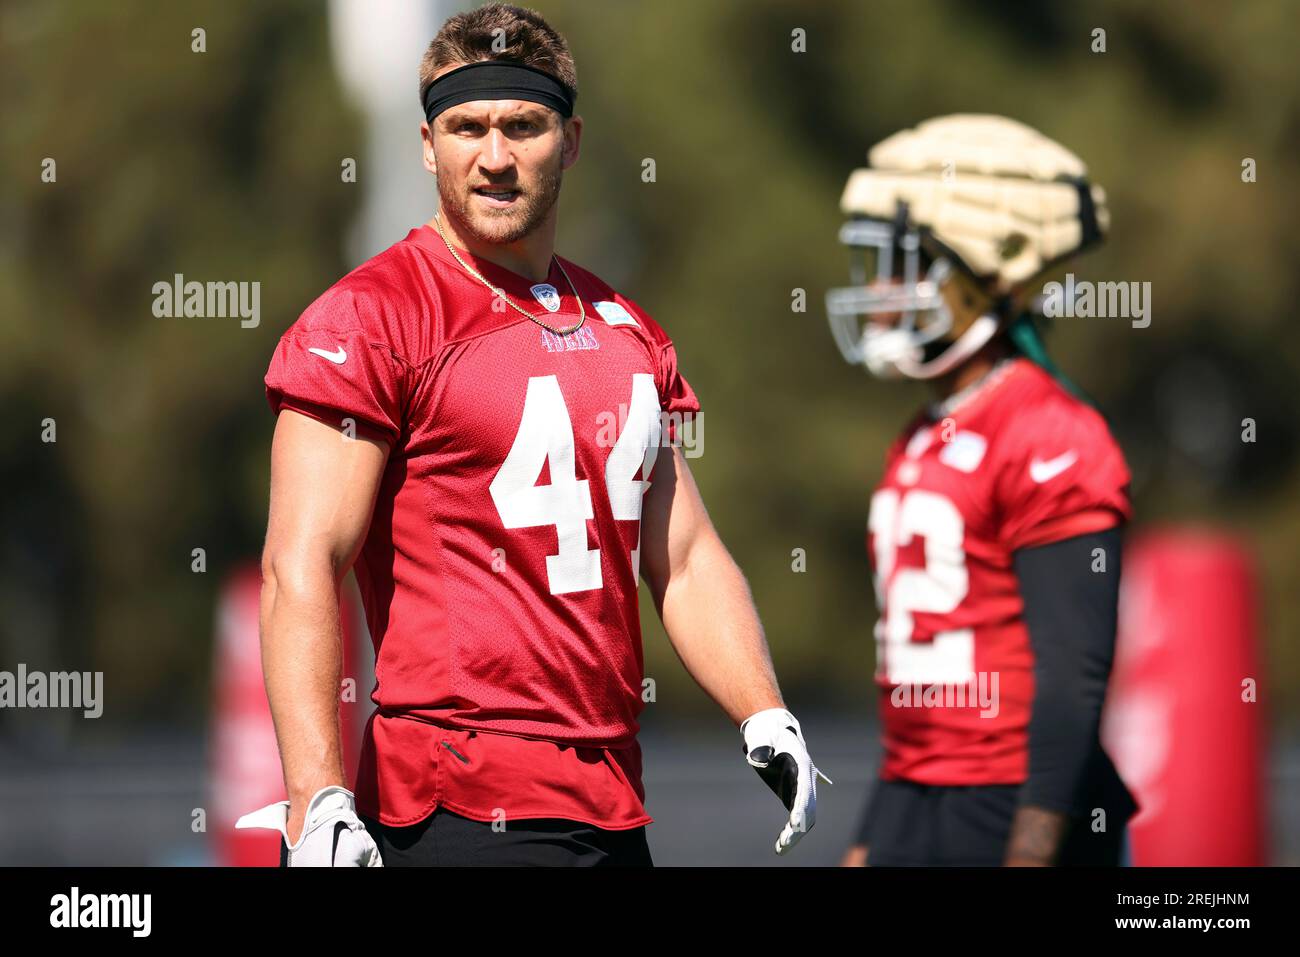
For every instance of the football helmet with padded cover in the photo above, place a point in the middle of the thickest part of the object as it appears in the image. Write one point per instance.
(951, 226)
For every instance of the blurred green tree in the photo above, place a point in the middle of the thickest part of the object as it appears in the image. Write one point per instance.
(225, 165)
(218, 165)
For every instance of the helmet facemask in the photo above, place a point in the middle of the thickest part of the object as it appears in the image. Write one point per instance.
(895, 273)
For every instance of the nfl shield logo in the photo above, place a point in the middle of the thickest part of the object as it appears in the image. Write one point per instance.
(547, 295)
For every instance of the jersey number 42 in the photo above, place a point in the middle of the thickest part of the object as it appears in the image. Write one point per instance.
(938, 588)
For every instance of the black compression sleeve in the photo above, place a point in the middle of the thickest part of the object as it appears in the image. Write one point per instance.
(1070, 611)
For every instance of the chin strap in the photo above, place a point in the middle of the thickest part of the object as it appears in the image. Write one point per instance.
(968, 343)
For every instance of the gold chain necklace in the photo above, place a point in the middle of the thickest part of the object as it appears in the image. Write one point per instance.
(582, 311)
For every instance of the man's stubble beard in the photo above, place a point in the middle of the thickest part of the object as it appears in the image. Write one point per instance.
(502, 227)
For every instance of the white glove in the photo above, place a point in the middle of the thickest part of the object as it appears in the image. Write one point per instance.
(332, 834)
(775, 748)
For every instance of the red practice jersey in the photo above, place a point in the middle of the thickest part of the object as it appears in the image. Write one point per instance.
(499, 573)
(1018, 463)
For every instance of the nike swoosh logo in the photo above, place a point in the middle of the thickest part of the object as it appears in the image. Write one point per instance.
(337, 357)
(1041, 471)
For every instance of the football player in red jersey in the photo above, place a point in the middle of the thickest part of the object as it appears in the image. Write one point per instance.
(475, 425)
(994, 533)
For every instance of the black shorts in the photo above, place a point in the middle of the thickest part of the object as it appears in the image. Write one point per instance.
(446, 839)
(925, 825)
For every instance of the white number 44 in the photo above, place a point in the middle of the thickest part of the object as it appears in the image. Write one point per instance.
(546, 435)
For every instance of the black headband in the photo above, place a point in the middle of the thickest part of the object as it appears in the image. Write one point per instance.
(496, 80)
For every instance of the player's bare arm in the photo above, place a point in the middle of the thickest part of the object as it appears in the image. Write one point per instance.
(323, 488)
(702, 597)
(708, 612)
